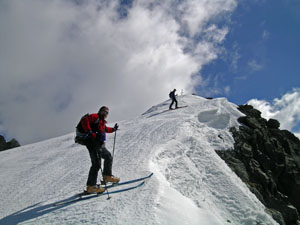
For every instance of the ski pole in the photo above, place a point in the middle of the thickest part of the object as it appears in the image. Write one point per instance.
(108, 197)
(114, 144)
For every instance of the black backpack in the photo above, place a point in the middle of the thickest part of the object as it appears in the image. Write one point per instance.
(81, 136)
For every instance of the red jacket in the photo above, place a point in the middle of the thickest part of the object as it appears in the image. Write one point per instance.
(90, 124)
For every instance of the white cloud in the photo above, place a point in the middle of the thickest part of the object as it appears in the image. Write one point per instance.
(59, 60)
(286, 109)
(254, 65)
(227, 90)
(234, 57)
(265, 35)
(196, 13)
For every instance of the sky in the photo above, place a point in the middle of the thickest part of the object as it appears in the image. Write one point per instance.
(62, 59)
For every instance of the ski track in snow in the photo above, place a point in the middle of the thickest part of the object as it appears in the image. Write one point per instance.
(190, 185)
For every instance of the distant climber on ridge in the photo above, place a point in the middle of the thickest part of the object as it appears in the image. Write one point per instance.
(173, 98)
(91, 132)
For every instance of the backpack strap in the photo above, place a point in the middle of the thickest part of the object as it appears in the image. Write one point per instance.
(79, 126)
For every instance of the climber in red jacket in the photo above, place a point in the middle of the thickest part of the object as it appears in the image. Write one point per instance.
(92, 131)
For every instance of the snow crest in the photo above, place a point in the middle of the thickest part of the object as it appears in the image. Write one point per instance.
(190, 185)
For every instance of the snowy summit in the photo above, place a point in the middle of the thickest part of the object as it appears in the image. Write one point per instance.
(191, 184)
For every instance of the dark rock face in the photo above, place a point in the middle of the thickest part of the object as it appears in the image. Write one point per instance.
(8, 145)
(2, 143)
(267, 159)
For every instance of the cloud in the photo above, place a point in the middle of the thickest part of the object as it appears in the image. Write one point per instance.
(227, 90)
(265, 35)
(234, 57)
(61, 59)
(254, 65)
(217, 86)
(286, 110)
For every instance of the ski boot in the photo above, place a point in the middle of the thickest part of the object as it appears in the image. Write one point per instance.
(96, 189)
(111, 179)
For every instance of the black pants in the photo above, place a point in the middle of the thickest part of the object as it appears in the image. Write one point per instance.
(176, 103)
(97, 151)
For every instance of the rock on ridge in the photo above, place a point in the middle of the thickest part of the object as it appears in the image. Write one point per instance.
(8, 145)
(267, 159)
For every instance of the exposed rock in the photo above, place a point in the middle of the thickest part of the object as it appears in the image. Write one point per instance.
(250, 111)
(268, 161)
(8, 145)
(2, 143)
(13, 143)
(273, 124)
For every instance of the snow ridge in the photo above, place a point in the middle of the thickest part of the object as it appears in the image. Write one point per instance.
(190, 185)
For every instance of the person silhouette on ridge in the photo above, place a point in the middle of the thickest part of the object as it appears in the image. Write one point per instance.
(173, 98)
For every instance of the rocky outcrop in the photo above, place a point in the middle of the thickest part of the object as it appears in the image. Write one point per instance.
(267, 159)
(8, 145)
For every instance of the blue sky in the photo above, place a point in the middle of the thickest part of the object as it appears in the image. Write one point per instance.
(62, 59)
(263, 42)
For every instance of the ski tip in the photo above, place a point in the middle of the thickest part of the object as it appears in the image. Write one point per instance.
(149, 176)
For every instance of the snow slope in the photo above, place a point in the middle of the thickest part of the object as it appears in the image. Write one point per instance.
(190, 185)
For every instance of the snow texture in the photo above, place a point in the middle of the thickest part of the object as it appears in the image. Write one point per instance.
(190, 185)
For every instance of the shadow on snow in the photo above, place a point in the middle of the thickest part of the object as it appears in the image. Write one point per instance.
(34, 211)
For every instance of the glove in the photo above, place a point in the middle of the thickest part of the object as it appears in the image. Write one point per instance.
(116, 127)
(101, 137)
(91, 134)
